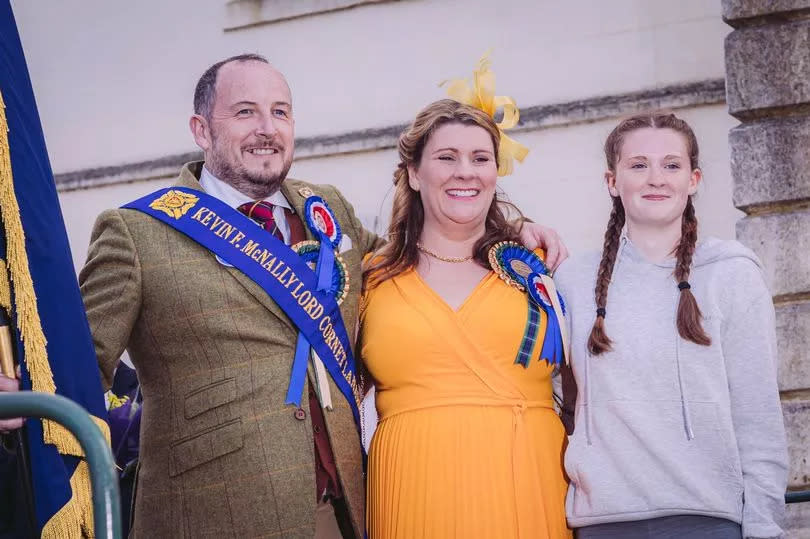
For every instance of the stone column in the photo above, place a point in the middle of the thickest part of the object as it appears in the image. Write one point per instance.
(768, 90)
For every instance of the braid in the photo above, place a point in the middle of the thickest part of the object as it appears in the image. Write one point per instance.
(689, 315)
(599, 342)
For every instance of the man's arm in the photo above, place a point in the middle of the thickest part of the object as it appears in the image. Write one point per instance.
(367, 241)
(110, 284)
(533, 235)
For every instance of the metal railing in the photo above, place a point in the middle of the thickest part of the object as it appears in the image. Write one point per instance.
(103, 478)
(797, 496)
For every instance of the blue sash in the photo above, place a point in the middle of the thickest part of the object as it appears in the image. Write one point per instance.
(272, 265)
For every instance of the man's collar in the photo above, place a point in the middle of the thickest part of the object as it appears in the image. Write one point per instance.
(232, 197)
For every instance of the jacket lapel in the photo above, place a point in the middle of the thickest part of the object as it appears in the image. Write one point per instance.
(297, 201)
(188, 178)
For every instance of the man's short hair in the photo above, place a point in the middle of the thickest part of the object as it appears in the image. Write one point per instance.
(205, 92)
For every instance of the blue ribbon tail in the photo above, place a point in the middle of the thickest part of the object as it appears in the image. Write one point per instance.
(326, 264)
(555, 336)
(299, 371)
(324, 268)
(549, 344)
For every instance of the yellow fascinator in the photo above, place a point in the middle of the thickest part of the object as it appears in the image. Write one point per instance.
(482, 96)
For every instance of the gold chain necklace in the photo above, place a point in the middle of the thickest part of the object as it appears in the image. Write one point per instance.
(451, 259)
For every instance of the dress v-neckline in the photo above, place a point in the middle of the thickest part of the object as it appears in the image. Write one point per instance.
(438, 297)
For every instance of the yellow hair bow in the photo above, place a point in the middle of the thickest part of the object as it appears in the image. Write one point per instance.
(482, 96)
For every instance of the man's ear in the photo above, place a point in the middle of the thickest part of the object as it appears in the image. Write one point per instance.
(610, 182)
(201, 132)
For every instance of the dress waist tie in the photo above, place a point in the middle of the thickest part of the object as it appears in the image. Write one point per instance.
(528, 513)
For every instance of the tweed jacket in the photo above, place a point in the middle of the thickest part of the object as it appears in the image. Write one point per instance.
(221, 454)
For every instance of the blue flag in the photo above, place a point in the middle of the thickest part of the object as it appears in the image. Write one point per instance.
(39, 289)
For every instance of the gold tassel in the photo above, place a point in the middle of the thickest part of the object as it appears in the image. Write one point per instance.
(28, 322)
(25, 300)
(75, 519)
(69, 444)
(5, 291)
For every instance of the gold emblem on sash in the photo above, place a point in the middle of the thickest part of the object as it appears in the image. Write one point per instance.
(173, 203)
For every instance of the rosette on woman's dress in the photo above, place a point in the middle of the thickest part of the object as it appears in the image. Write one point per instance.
(527, 272)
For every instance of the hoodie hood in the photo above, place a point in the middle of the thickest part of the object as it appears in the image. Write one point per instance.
(707, 251)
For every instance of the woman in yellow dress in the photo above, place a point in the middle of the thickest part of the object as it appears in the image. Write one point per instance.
(468, 444)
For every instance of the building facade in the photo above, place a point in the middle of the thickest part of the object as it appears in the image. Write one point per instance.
(114, 83)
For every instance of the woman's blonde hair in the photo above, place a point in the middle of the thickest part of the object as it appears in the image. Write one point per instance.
(407, 214)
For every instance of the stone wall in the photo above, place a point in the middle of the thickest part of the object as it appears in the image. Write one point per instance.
(768, 90)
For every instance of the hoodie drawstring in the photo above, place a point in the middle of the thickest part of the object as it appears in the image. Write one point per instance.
(588, 400)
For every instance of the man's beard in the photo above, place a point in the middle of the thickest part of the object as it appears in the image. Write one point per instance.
(254, 185)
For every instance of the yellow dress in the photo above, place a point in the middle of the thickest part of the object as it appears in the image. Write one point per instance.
(468, 444)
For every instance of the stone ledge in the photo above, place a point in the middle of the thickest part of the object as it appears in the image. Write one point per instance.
(707, 92)
(247, 13)
(769, 161)
(797, 521)
(741, 11)
(797, 417)
(768, 67)
(782, 241)
(793, 337)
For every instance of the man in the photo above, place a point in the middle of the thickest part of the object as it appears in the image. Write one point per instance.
(221, 453)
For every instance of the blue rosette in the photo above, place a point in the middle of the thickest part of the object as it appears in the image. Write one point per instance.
(514, 263)
(322, 257)
(321, 221)
(522, 269)
(552, 351)
(309, 251)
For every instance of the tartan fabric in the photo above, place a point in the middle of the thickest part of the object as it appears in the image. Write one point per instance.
(529, 335)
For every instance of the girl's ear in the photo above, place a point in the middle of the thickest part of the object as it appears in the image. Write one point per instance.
(694, 181)
(610, 181)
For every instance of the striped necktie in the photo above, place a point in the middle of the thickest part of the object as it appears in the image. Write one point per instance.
(262, 212)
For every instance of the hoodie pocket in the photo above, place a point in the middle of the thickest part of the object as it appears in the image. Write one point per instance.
(640, 460)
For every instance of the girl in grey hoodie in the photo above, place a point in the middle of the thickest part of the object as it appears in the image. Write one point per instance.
(679, 429)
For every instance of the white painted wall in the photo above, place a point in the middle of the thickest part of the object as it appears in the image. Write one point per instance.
(114, 82)
(559, 183)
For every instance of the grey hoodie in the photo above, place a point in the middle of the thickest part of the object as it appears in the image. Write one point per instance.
(665, 426)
